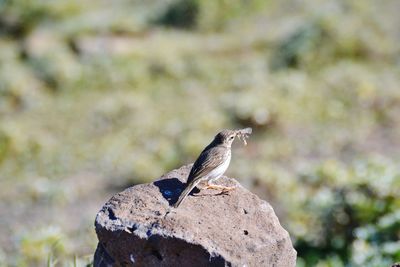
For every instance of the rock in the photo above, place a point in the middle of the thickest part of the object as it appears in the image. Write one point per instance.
(138, 227)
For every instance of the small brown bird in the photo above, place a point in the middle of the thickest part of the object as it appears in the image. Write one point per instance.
(213, 162)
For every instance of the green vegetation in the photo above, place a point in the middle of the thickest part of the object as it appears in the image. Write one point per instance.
(96, 97)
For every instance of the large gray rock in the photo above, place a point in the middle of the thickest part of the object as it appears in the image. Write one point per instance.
(138, 227)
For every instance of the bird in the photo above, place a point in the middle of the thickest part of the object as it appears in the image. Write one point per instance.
(212, 162)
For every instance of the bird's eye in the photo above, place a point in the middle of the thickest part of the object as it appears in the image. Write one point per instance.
(231, 137)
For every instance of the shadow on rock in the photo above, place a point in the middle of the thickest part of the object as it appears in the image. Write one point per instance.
(170, 189)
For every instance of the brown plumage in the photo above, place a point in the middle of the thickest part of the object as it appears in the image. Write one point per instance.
(212, 162)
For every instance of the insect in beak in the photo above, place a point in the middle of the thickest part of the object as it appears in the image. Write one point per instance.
(243, 134)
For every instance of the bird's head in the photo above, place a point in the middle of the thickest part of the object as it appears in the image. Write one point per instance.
(225, 137)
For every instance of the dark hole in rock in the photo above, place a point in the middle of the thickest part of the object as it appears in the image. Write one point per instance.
(245, 211)
(132, 228)
(157, 213)
(111, 214)
(148, 233)
(245, 232)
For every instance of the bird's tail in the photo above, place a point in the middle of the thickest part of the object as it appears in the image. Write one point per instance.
(185, 192)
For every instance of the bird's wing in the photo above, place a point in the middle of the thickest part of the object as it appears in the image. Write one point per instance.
(207, 161)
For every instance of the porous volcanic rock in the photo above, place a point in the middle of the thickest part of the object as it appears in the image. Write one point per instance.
(138, 227)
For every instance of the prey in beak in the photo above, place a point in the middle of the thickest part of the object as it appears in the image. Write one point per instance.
(244, 134)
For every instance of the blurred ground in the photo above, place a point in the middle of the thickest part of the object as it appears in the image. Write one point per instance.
(95, 97)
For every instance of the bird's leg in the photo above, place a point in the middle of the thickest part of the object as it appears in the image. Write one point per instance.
(220, 187)
(210, 185)
(202, 185)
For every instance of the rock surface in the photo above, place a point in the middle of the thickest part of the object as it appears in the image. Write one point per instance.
(138, 227)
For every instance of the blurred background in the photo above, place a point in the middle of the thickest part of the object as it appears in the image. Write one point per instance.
(96, 96)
